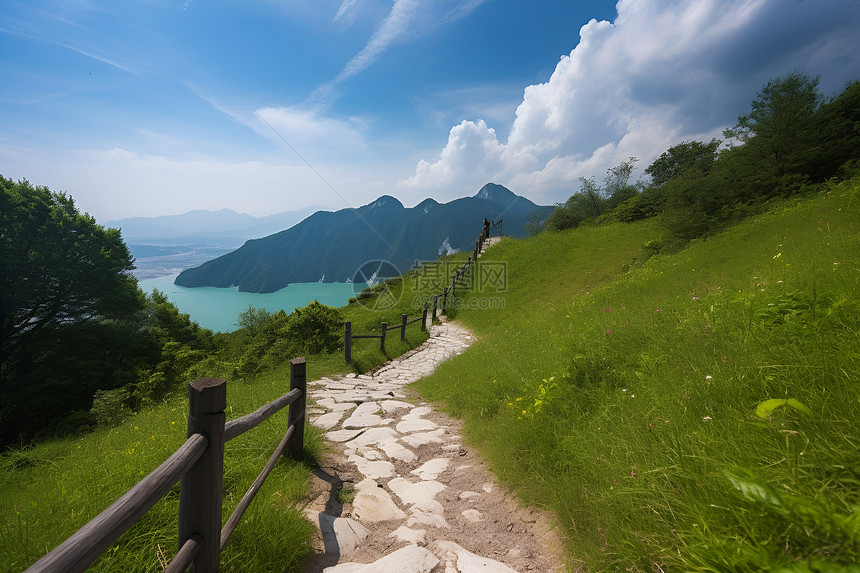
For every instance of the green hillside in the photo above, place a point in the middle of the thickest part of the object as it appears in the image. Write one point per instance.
(693, 412)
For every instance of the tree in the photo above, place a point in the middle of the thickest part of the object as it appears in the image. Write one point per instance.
(838, 133)
(683, 157)
(616, 185)
(779, 131)
(69, 308)
(253, 319)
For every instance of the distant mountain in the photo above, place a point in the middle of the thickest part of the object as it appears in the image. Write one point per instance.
(200, 224)
(166, 245)
(336, 244)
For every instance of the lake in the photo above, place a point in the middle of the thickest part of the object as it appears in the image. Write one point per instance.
(217, 308)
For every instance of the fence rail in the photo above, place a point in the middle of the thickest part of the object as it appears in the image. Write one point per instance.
(199, 465)
(459, 275)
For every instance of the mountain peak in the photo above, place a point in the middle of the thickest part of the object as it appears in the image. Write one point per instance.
(495, 192)
(501, 195)
(386, 201)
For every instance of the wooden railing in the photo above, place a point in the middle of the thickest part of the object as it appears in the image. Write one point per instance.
(199, 464)
(459, 275)
(348, 336)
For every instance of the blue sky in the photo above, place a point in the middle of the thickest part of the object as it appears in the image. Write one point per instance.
(158, 107)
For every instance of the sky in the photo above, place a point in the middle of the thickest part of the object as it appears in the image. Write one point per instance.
(154, 107)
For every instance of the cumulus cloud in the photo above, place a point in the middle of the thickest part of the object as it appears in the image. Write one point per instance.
(473, 152)
(660, 73)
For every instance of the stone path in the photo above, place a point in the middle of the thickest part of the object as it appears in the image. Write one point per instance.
(423, 501)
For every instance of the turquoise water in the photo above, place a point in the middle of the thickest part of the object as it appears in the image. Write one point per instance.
(217, 308)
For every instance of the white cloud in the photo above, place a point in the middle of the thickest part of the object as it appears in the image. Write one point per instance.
(407, 19)
(308, 129)
(388, 31)
(660, 73)
(345, 8)
(473, 153)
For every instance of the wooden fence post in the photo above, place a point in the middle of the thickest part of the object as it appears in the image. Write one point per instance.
(298, 379)
(347, 341)
(383, 328)
(201, 493)
(403, 320)
(435, 302)
(424, 318)
(445, 302)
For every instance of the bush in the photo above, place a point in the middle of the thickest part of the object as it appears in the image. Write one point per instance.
(316, 328)
(110, 407)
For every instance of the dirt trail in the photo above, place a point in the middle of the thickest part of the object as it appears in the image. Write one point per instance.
(424, 502)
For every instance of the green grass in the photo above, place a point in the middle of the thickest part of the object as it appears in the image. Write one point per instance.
(50, 490)
(629, 397)
(402, 295)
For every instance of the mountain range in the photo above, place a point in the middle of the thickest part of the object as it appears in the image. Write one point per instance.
(206, 225)
(336, 244)
(168, 244)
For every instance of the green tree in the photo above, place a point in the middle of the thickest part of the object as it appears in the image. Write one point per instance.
(70, 310)
(683, 157)
(778, 134)
(253, 319)
(837, 133)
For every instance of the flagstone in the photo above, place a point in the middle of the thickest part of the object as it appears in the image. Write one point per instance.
(394, 450)
(403, 533)
(341, 535)
(327, 421)
(372, 469)
(389, 406)
(342, 435)
(464, 561)
(409, 559)
(372, 503)
(431, 470)
(371, 436)
(422, 438)
(412, 493)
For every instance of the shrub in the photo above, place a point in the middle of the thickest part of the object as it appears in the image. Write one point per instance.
(316, 328)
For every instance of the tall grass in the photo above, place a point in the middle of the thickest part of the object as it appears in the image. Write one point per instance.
(633, 398)
(50, 490)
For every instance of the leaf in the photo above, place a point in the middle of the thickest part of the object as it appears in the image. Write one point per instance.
(755, 491)
(766, 408)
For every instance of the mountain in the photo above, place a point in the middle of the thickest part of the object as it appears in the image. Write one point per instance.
(165, 245)
(336, 244)
(201, 224)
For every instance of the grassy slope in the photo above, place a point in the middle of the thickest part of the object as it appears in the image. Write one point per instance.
(54, 488)
(626, 401)
(50, 490)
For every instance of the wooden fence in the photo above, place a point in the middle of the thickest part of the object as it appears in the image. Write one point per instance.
(458, 278)
(199, 464)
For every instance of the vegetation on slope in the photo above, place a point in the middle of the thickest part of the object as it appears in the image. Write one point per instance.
(52, 488)
(792, 138)
(697, 412)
